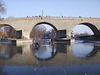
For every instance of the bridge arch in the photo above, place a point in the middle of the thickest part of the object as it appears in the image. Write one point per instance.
(47, 23)
(10, 30)
(92, 27)
(8, 25)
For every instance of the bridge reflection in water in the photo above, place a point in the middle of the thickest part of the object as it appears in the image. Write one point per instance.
(57, 57)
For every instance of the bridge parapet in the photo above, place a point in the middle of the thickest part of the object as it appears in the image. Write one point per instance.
(62, 18)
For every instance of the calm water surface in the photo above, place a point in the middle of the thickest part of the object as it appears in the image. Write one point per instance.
(81, 58)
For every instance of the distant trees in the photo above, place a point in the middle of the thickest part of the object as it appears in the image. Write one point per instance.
(82, 34)
(2, 7)
(7, 32)
(11, 32)
(3, 34)
(38, 32)
(51, 33)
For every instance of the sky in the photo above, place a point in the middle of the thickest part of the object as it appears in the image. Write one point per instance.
(67, 8)
(74, 8)
(82, 29)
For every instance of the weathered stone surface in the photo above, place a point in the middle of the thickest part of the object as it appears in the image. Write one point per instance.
(59, 23)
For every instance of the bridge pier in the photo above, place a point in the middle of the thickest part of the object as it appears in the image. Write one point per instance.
(25, 34)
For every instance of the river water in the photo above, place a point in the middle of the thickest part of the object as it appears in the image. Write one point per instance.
(79, 58)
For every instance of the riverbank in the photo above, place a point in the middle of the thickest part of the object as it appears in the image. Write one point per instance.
(6, 41)
(89, 38)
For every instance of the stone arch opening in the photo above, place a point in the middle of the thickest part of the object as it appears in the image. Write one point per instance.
(90, 29)
(43, 29)
(47, 24)
(7, 31)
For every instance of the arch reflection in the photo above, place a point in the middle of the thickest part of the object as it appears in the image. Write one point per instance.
(94, 51)
(82, 50)
(7, 51)
(44, 52)
(48, 51)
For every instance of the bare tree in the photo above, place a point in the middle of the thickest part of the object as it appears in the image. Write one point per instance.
(3, 34)
(82, 34)
(8, 32)
(2, 7)
(38, 32)
(52, 33)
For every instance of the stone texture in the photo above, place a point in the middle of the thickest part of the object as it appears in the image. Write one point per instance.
(59, 23)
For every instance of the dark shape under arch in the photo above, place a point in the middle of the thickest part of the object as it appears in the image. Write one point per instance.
(92, 27)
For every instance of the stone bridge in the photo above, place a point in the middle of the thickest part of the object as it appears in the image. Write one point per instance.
(58, 23)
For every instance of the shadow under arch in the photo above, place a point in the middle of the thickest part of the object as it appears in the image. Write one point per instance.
(12, 32)
(92, 27)
(1, 25)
